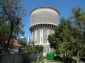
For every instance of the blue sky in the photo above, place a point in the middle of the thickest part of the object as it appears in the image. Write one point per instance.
(63, 6)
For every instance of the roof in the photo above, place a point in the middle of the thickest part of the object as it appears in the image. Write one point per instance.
(14, 42)
(45, 7)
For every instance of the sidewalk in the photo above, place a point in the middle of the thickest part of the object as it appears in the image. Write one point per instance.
(51, 61)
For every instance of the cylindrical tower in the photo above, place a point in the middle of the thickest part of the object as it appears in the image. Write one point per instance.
(42, 22)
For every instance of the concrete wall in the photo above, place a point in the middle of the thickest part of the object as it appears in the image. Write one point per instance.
(43, 20)
(44, 15)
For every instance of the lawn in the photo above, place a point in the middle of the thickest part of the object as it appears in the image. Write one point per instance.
(44, 60)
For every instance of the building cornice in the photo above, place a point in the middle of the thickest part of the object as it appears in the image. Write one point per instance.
(43, 7)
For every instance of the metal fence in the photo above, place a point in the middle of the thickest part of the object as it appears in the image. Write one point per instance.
(19, 58)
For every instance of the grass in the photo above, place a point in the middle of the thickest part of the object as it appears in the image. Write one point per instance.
(44, 60)
(38, 61)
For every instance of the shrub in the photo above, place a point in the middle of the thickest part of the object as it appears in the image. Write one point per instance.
(30, 49)
(68, 60)
(39, 48)
(82, 58)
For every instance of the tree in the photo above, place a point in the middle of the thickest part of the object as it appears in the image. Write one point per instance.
(62, 37)
(78, 18)
(12, 14)
(39, 48)
(22, 42)
(69, 35)
(32, 43)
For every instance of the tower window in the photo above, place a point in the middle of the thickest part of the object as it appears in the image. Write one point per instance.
(41, 39)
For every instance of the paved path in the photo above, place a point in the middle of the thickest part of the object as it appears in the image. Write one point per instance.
(50, 61)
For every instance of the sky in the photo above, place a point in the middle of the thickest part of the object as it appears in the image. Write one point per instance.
(63, 6)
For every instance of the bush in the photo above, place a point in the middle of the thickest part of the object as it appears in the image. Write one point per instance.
(82, 58)
(39, 48)
(30, 49)
(68, 60)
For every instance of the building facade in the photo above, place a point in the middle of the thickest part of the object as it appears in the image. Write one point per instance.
(43, 20)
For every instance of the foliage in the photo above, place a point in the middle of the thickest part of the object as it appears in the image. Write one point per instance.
(62, 38)
(68, 60)
(22, 42)
(39, 48)
(32, 43)
(78, 19)
(40, 61)
(68, 37)
(31, 48)
(82, 59)
(11, 24)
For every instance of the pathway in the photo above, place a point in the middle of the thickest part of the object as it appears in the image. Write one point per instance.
(51, 61)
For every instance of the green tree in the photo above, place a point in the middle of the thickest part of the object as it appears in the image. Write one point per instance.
(39, 48)
(69, 35)
(22, 42)
(32, 43)
(62, 38)
(12, 13)
(78, 18)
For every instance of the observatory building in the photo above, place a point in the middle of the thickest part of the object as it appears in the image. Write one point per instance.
(43, 20)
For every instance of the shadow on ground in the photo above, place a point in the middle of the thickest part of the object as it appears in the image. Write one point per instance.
(58, 58)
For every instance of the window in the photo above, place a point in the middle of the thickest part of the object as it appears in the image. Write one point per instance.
(41, 30)
(35, 34)
(41, 36)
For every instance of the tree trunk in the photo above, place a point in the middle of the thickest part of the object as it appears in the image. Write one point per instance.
(78, 56)
(7, 46)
